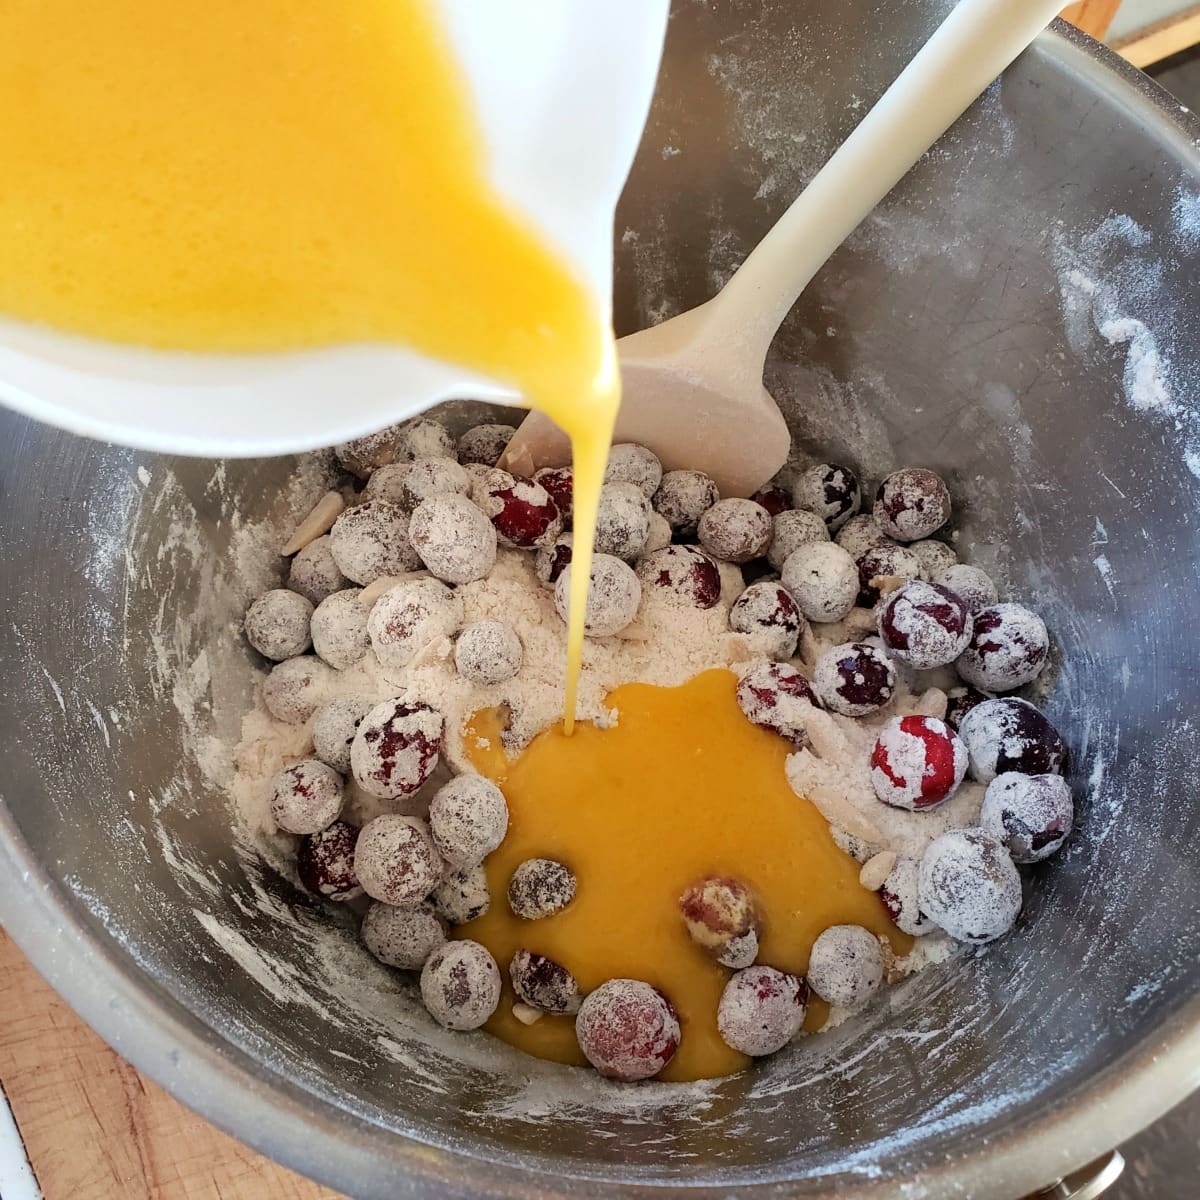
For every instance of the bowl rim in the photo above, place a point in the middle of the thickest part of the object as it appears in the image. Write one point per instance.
(107, 987)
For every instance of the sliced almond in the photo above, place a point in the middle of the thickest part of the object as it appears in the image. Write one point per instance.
(859, 621)
(885, 584)
(876, 870)
(827, 739)
(835, 806)
(526, 1014)
(932, 703)
(316, 524)
(385, 583)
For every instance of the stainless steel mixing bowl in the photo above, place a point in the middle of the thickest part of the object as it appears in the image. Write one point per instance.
(998, 319)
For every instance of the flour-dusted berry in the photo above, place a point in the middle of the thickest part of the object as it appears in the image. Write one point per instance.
(622, 520)
(917, 763)
(969, 886)
(735, 530)
(522, 511)
(306, 797)
(1031, 814)
(790, 530)
(884, 568)
(453, 538)
(773, 498)
(859, 534)
(934, 557)
(460, 985)
(722, 916)
(334, 727)
(912, 504)
(424, 439)
(613, 596)
(339, 629)
(658, 535)
(767, 616)
(488, 652)
(630, 463)
(278, 624)
(900, 897)
(559, 482)
(1009, 734)
(544, 984)
(829, 491)
(411, 616)
(683, 498)
(463, 895)
(387, 484)
(325, 863)
(396, 860)
(778, 698)
(468, 818)
(295, 688)
(823, 581)
(371, 540)
(960, 701)
(313, 573)
(971, 585)
(396, 748)
(627, 1030)
(846, 965)
(552, 560)
(484, 443)
(1008, 648)
(761, 1010)
(854, 679)
(427, 477)
(364, 455)
(539, 888)
(924, 625)
(684, 574)
(402, 937)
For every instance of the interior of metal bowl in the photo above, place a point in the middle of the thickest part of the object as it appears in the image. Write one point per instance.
(1020, 316)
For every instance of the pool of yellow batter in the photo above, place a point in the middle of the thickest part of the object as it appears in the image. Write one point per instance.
(682, 787)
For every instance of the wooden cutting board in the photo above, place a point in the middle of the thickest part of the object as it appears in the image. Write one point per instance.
(96, 1129)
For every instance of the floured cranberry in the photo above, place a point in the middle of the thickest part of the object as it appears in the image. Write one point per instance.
(912, 504)
(396, 861)
(859, 534)
(685, 573)
(960, 701)
(761, 1010)
(768, 616)
(484, 444)
(1031, 814)
(488, 652)
(683, 498)
(402, 937)
(552, 560)
(1008, 648)
(424, 478)
(778, 698)
(396, 748)
(899, 894)
(325, 862)
(364, 455)
(614, 595)
(971, 585)
(630, 463)
(468, 818)
(540, 887)
(560, 483)
(520, 509)
(854, 679)
(424, 438)
(627, 1030)
(306, 797)
(313, 572)
(924, 625)
(454, 539)
(333, 730)
(462, 896)
(790, 531)
(773, 498)
(830, 491)
(934, 557)
(917, 763)
(822, 579)
(846, 965)
(722, 917)
(371, 540)
(622, 520)
(277, 624)
(735, 530)
(295, 688)
(411, 616)
(1010, 735)
(886, 563)
(460, 985)
(969, 886)
(544, 984)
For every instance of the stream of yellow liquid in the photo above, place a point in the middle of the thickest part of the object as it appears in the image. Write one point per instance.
(229, 176)
(684, 786)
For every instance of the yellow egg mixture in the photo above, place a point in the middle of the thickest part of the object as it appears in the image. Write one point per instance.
(233, 176)
(295, 173)
(684, 786)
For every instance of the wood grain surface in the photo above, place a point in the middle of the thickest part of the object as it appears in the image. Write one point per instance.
(1092, 16)
(95, 1129)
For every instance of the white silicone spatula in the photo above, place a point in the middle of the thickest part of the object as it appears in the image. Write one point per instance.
(693, 385)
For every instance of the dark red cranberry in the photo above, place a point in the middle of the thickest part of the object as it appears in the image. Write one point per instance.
(917, 763)
(325, 862)
(560, 483)
(889, 560)
(1031, 814)
(521, 510)
(924, 625)
(777, 697)
(854, 679)
(1010, 735)
(544, 984)
(912, 504)
(1009, 647)
(773, 498)
(684, 571)
(960, 701)
(830, 491)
